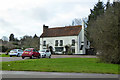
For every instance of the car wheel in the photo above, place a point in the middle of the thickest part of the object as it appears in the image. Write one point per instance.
(39, 57)
(50, 56)
(31, 57)
(45, 56)
(18, 55)
(23, 57)
(10, 56)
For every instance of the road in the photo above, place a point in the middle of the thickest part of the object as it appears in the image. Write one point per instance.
(30, 74)
(2, 59)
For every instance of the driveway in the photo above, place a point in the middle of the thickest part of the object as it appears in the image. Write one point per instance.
(30, 74)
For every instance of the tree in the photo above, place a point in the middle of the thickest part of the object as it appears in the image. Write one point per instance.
(29, 41)
(97, 11)
(4, 38)
(15, 39)
(76, 22)
(103, 32)
(79, 21)
(108, 4)
(11, 38)
(35, 36)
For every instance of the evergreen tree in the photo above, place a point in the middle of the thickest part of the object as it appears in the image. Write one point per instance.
(104, 31)
(11, 38)
(108, 4)
(97, 11)
(35, 36)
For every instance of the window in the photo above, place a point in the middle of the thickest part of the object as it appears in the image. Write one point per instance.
(28, 50)
(61, 42)
(34, 50)
(14, 50)
(73, 50)
(56, 43)
(81, 47)
(73, 42)
(42, 50)
(20, 50)
(44, 43)
(59, 49)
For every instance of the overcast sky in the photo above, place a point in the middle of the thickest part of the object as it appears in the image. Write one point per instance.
(26, 17)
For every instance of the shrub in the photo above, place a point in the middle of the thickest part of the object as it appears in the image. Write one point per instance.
(3, 49)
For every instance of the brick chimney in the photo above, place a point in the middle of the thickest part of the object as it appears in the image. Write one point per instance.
(45, 28)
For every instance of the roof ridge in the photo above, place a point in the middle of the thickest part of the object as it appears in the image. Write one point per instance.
(66, 27)
(62, 31)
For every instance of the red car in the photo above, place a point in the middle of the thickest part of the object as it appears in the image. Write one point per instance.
(30, 52)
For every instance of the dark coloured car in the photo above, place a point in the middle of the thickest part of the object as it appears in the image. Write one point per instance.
(30, 52)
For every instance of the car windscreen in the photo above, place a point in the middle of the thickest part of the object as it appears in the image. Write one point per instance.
(14, 50)
(42, 51)
(28, 50)
(20, 50)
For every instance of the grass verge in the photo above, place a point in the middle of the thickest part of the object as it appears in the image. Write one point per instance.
(4, 55)
(78, 65)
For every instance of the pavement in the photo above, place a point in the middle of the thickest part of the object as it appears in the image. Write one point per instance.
(30, 74)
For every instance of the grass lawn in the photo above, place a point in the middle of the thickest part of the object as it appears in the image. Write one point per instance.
(79, 65)
(4, 55)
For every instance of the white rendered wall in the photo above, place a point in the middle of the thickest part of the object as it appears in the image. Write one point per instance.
(67, 40)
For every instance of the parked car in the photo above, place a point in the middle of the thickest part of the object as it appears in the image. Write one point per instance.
(45, 53)
(16, 52)
(30, 52)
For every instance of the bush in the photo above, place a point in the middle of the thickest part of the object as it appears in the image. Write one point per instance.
(15, 43)
(3, 49)
(8, 51)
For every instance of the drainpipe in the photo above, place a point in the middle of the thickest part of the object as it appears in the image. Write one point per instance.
(82, 32)
(82, 40)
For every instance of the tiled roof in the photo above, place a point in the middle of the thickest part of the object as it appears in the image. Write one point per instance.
(62, 31)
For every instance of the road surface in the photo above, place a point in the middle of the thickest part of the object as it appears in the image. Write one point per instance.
(30, 74)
